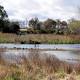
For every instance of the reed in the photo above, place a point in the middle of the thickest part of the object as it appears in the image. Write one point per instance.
(38, 66)
(41, 38)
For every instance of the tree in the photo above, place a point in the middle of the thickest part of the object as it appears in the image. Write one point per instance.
(50, 25)
(3, 14)
(74, 26)
(6, 26)
(3, 17)
(61, 27)
(64, 25)
(58, 23)
(34, 23)
(14, 27)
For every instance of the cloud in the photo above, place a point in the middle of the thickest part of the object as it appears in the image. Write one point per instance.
(56, 9)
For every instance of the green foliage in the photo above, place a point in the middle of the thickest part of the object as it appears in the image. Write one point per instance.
(14, 27)
(5, 24)
(74, 26)
(3, 14)
(34, 23)
(50, 24)
(3, 17)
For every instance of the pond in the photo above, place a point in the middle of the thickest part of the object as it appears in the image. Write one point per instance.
(43, 46)
(64, 52)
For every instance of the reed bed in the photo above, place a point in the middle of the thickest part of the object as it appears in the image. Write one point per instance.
(41, 38)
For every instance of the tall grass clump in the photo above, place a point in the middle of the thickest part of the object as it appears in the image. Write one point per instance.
(38, 66)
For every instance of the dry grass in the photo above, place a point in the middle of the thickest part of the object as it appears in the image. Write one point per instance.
(1, 52)
(42, 38)
(39, 67)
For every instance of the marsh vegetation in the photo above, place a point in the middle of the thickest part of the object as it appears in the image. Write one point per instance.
(41, 38)
(38, 66)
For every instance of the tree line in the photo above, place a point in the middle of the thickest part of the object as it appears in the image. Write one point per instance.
(54, 26)
(35, 26)
(48, 26)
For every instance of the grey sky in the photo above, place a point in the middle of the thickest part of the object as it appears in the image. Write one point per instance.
(56, 9)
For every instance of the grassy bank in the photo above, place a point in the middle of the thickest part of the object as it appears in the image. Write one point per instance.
(41, 38)
(38, 67)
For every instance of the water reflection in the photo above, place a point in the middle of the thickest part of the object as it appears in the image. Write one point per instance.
(69, 56)
(15, 55)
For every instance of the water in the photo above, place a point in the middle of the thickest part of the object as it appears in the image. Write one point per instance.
(43, 46)
(68, 56)
(64, 52)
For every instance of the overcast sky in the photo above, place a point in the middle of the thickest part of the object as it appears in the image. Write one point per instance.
(43, 9)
